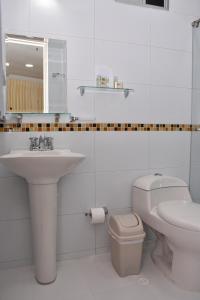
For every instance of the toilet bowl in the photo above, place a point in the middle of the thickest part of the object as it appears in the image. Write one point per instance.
(164, 203)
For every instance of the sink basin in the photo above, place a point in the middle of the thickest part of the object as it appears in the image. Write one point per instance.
(41, 166)
(42, 171)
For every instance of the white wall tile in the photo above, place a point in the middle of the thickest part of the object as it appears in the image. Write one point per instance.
(15, 140)
(113, 189)
(80, 59)
(170, 30)
(76, 193)
(75, 233)
(63, 17)
(121, 151)
(81, 142)
(128, 61)
(169, 149)
(102, 237)
(12, 141)
(121, 22)
(115, 108)
(14, 198)
(75, 255)
(173, 68)
(16, 16)
(83, 107)
(15, 237)
(181, 172)
(170, 105)
(191, 7)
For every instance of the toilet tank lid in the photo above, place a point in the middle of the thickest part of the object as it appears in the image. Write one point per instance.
(158, 181)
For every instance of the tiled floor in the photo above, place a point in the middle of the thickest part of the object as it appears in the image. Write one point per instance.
(91, 278)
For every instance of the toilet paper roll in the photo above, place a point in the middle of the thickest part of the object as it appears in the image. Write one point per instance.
(97, 216)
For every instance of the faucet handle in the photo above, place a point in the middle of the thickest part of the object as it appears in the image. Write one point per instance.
(49, 143)
(32, 140)
(33, 143)
(41, 139)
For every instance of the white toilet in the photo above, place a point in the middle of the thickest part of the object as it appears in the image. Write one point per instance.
(164, 203)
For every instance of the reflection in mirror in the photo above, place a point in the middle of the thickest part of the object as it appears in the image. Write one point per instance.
(35, 75)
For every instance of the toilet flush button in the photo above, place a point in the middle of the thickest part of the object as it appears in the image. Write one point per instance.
(159, 175)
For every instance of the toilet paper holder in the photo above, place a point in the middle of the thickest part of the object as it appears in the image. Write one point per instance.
(90, 215)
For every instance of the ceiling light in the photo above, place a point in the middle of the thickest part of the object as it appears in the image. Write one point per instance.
(7, 64)
(29, 65)
(24, 42)
(47, 3)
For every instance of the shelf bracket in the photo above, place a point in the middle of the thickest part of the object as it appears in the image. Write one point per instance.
(126, 93)
(82, 90)
(57, 118)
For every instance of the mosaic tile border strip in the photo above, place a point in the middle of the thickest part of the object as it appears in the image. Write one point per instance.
(43, 127)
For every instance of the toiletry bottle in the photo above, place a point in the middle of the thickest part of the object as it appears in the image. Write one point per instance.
(115, 81)
(104, 81)
(120, 84)
(98, 81)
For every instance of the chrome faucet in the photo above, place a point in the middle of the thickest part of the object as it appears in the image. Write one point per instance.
(41, 143)
(49, 143)
(33, 143)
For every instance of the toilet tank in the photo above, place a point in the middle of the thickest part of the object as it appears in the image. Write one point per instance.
(149, 191)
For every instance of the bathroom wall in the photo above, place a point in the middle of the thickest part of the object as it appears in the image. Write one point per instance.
(151, 50)
(1, 68)
(195, 139)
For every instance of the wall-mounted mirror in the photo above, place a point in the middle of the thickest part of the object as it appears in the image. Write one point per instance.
(36, 75)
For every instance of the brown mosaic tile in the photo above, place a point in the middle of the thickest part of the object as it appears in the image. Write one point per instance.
(81, 127)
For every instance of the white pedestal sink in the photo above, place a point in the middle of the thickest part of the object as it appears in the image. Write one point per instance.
(42, 170)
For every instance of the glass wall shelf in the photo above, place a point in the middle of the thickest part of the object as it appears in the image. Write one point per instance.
(97, 89)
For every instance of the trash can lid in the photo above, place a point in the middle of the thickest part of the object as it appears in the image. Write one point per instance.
(125, 225)
(128, 220)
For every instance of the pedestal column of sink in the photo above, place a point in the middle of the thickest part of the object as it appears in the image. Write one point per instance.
(43, 206)
(42, 170)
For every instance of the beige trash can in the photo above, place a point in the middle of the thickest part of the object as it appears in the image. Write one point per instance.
(127, 237)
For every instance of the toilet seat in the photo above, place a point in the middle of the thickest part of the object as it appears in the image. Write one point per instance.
(184, 214)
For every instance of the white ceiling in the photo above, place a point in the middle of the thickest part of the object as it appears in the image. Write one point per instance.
(18, 55)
